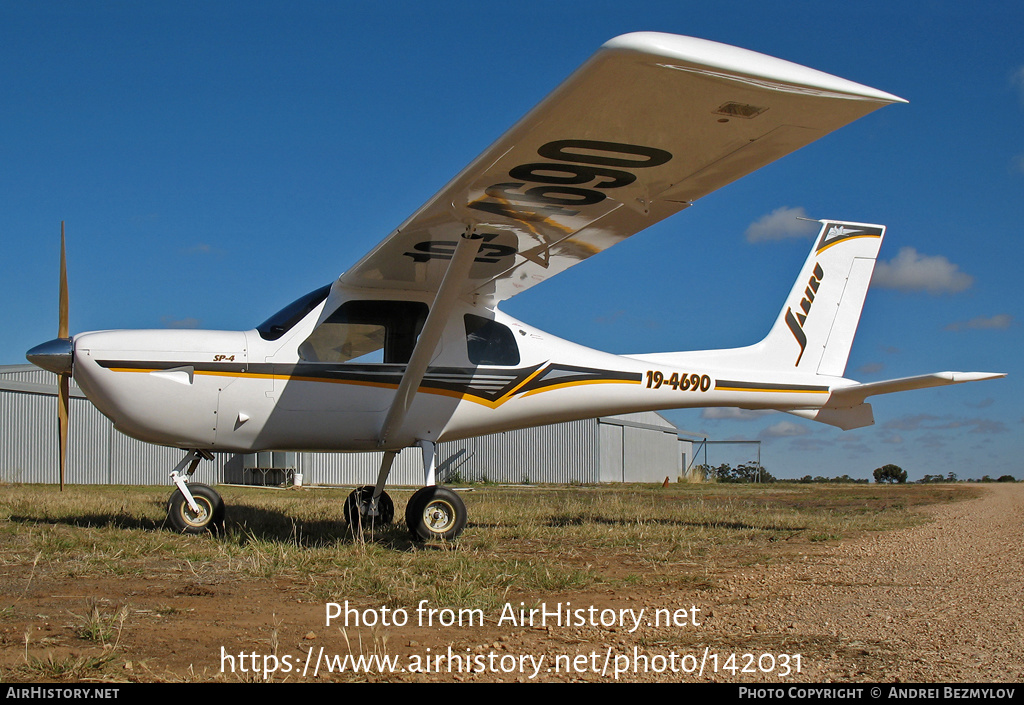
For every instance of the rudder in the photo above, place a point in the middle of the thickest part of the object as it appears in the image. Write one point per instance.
(815, 330)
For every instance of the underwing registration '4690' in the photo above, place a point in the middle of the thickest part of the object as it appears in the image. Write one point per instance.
(598, 164)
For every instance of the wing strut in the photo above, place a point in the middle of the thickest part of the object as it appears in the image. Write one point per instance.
(447, 294)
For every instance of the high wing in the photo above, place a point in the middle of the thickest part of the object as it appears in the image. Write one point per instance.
(648, 125)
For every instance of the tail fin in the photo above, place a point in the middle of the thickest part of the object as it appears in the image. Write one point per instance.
(814, 331)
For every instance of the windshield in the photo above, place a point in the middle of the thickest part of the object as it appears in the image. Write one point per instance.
(282, 321)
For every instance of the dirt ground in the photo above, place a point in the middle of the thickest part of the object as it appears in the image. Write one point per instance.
(940, 602)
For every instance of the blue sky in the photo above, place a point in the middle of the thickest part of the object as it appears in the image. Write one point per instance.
(213, 161)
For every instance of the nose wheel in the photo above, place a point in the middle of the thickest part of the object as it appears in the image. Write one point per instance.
(208, 515)
(435, 513)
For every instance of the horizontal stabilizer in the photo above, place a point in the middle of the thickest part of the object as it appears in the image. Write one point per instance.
(845, 397)
(854, 417)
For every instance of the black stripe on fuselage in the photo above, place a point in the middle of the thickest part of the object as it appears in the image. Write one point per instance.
(487, 383)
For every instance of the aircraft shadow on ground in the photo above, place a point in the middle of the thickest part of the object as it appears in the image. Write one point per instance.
(256, 524)
(113, 520)
(576, 520)
(260, 524)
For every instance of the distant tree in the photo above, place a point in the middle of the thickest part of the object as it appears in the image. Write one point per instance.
(723, 473)
(1006, 478)
(752, 472)
(745, 472)
(890, 474)
(842, 479)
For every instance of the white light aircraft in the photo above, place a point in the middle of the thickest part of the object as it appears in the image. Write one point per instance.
(408, 347)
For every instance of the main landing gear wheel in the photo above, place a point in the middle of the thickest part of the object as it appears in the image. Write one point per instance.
(358, 513)
(435, 513)
(210, 516)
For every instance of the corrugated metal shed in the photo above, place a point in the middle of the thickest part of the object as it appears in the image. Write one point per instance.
(97, 453)
(642, 447)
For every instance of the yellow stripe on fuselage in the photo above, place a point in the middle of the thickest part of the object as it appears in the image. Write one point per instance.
(469, 396)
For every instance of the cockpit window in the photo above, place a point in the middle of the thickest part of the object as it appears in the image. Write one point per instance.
(489, 342)
(282, 321)
(367, 331)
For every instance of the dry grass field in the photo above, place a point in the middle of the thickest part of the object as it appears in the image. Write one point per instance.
(95, 588)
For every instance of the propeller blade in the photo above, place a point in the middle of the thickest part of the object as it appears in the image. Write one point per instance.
(62, 423)
(62, 326)
(65, 378)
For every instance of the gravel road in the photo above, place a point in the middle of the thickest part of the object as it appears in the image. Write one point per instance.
(941, 602)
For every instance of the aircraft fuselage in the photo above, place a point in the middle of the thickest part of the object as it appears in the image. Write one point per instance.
(241, 392)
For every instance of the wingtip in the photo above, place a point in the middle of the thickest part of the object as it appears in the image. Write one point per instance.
(731, 59)
(975, 376)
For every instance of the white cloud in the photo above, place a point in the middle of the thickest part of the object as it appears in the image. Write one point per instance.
(857, 448)
(809, 444)
(988, 426)
(998, 322)
(784, 429)
(732, 413)
(910, 422)
(911, 271)
(781, 224)
(930, 422)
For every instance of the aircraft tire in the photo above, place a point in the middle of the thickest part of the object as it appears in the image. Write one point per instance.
(359, 501)
(435, 513)
(211, 511)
